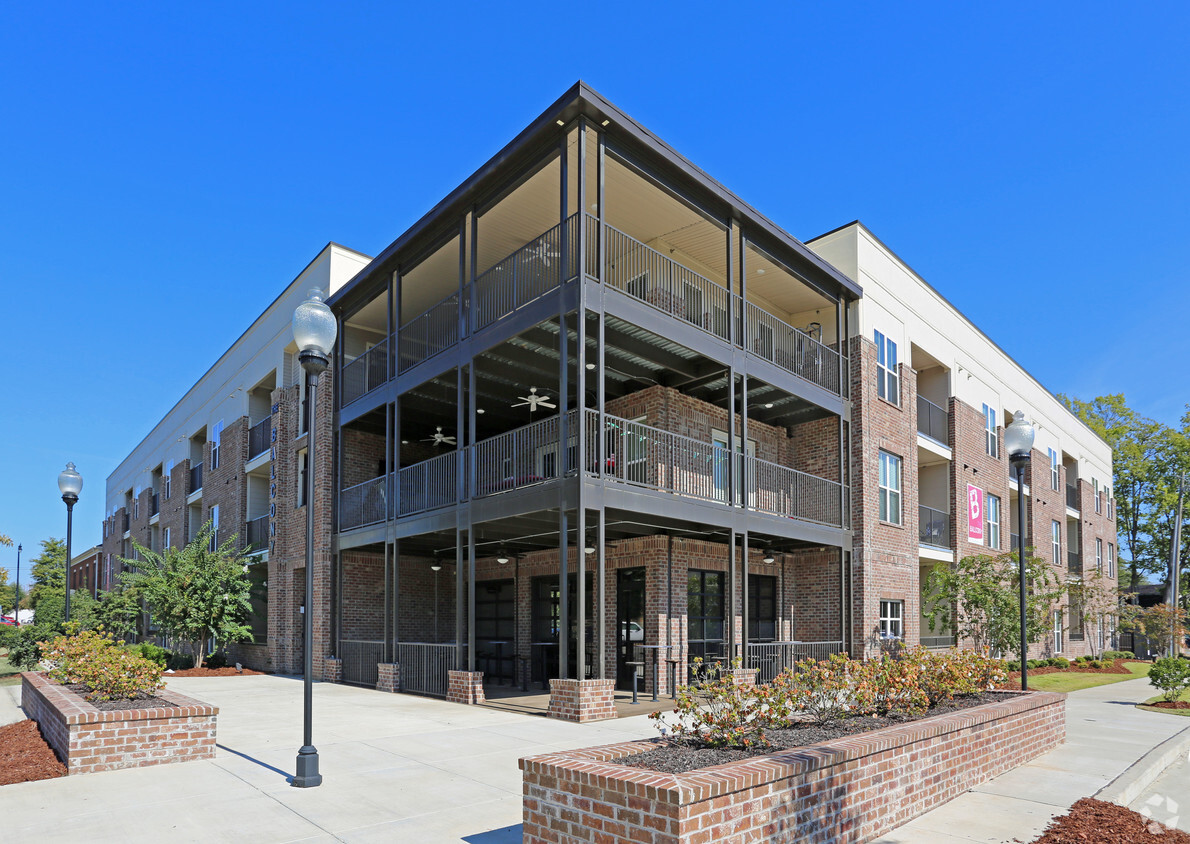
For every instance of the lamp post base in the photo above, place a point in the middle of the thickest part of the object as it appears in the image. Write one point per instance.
(307, 775)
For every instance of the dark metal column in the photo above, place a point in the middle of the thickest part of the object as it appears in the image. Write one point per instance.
(580, 404)
(744, 600)
(731, 593)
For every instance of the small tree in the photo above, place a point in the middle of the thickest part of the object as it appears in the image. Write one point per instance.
(194, 593)
(49, 572)
(979, 599)
(1094, 598)
(1160, 624)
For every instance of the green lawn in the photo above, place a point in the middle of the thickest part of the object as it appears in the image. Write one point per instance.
(1184, 712)
(9, 674)
(1072, 681)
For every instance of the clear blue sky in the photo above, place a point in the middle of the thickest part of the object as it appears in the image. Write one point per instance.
(168, 168)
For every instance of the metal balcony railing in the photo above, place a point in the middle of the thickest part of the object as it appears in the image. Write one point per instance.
(1072, 497)
(933, 527)
(645, 274)
(533, 270)
(645, 456)
(365, 373)
(790, 348)
(364, 504)
(794, 494)
(256, 534)
(154, 504)
(522, 457)
(771, 658)
(933, 421)
(259, 436)
(196, 477)
(429, 333)
(429, 484)
(1074, 562)
(424, 665)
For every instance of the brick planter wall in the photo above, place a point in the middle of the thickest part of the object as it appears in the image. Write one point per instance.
(87, 739)
(848, 790)
(582, 700)
(332, 670)
(464, 686)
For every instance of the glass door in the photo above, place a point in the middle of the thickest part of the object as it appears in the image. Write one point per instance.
(630, 623)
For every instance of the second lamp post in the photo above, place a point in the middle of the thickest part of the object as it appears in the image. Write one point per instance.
(1018, 442)
(70, 484)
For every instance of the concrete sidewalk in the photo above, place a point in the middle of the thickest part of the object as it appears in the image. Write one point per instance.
(403, 768)
(1105, 736)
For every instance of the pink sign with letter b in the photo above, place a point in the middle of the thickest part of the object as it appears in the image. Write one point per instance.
(974, 514)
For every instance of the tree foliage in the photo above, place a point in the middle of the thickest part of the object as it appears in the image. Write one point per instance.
(1095, 598)
(49, 572)
(978, 599)
(194, 593)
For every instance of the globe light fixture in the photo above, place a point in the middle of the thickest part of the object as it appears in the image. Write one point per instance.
(769, 555)
(70, 484)
(1018, 442)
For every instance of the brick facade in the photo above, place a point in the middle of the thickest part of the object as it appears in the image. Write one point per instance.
(847, 790)
(465, 687)
(582, 700)
(88, 740)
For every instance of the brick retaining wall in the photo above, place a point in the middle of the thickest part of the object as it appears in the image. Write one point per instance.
(848, 790)
(87, 739)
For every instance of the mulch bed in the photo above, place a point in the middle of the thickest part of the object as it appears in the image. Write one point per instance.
(1093, 820)
(679, 757)
(24, 755)
(1170, 704)
(119, 705)
(1117, 667)
(229, 671)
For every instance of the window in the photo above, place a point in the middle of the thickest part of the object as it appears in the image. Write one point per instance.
(136, 505)
(1098, 496)
(762, 608)
(165, 539)
(892, 615)
(887, 385)
(989, 424)
(214, 527)
(704, 613)
(1055, 470)
(721, 463)
(1099, 555)
(1076, 617)
(1056, 542)
(991, 528)
(216, 435)
(890, 488)
(1057, 631)
(167, 486)
(1111, 560)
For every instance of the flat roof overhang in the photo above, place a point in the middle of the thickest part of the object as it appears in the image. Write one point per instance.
(646, 149)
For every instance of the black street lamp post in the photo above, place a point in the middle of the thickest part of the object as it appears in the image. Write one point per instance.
(16, 604)
(314, 331)
(70, 484)
(1018, 441)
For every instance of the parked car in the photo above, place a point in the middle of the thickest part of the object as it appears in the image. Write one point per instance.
(9, 620)
(631, 631)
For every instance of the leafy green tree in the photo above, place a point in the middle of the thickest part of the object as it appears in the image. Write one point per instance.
(1095, 598)
(979, 599)
(195, 593)
(49, 572)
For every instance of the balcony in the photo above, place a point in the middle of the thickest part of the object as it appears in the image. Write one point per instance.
(256, 534)
(196, 477)
(365, 373)
(933, 421)
(154, 504)
(1074, 562)
(933, 527)
(363, 504)
(258, 438)
(532, 271)
(1072, 497)
(429, 334)
(429, 484)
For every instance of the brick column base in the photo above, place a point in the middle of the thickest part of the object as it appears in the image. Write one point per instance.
(332, 670)
(464, 686)
(582, 700)
(743, 676)
(390, 677)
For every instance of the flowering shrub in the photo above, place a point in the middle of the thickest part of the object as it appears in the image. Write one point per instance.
(94, 659)
(714, 711)
(825, 691)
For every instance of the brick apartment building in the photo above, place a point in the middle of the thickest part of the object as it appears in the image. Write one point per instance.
(88, 573)
(767, 443)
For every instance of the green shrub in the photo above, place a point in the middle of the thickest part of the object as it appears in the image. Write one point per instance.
(1036, 663)
(1059, 662)
(24, 649)
(216, 660)
(1094, 663)
(1118, 655)
(153, 653)
(1171, 675)
(1013, 665)
(94, 659)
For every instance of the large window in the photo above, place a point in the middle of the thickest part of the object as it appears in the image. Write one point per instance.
(892, 619)
(1056, 542)
(214, 527)
(1058, 632)
(1076, 617)
(1098, 498)
(216, 436)
(992, 521)
(762, 608)
(887, 385)
(704, 613)
(1055, 470)
(1099, 555)
(165, 480)
(890, 488)
(989, 423)
(1111, 560)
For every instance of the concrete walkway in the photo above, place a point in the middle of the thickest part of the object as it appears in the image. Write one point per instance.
(395, 768)
(403, 768)
(1105, 736)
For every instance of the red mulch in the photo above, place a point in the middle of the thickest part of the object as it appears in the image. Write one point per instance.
(24, 755)
(1170, 704)
(1094, 821)
(230, 671)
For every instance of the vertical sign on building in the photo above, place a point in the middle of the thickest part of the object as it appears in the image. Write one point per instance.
(974, 514)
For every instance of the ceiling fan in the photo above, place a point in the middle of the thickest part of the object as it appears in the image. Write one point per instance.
(534, 401)
(542, 252)
(439, 438)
